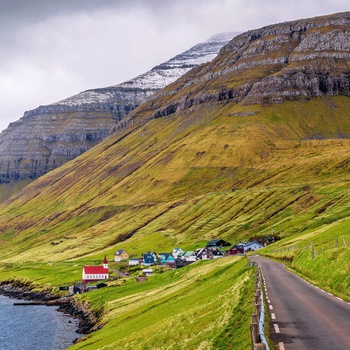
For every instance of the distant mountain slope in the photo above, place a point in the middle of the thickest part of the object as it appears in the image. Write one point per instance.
(254, 141)
(49, 136)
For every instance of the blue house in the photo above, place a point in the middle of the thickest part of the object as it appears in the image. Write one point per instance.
(163, 257)
(149, 258)
(169, 260)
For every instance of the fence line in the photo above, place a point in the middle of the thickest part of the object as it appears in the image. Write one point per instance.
(316, 248)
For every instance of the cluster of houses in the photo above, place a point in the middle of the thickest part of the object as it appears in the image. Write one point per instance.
(216, 248)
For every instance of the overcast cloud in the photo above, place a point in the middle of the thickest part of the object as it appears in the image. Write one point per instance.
(53, 49)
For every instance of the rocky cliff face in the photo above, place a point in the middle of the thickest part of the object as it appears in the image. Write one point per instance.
(48, 136)
(288, 61)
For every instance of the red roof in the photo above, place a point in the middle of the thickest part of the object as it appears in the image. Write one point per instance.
(89, 270)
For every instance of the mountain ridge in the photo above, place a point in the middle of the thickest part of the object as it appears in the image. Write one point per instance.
(48, 136)
(289, 71)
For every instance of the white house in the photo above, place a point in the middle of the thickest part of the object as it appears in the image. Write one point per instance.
(95, 273)
(253, 245)
(134, 261)
(190, 256)
(177, 253)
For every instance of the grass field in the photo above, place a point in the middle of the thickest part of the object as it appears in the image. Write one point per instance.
(206, 305)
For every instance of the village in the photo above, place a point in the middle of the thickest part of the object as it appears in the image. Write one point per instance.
(216, 248)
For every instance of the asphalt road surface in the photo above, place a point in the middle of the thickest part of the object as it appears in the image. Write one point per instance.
(303, 317)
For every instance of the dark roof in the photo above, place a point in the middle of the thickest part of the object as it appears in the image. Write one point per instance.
(217, 252)
(213, 241)
(218, 243)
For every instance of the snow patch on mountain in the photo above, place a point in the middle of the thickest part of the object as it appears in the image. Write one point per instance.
(155, 79)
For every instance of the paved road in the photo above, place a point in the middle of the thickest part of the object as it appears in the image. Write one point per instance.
(118, 272)
(303, 317)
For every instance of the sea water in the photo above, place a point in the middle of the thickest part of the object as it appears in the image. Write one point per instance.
(34, 327)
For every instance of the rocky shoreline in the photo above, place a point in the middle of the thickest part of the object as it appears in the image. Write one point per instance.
(68, 305)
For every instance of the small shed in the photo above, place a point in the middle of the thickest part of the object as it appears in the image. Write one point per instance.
(147, 272)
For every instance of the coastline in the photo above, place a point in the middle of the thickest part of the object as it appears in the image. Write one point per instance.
(87, 319)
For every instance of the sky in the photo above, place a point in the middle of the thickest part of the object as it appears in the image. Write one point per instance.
(53, 49)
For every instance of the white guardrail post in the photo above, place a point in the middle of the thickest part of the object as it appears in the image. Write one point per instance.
(258, 317)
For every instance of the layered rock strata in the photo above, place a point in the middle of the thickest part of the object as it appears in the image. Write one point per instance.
(49, 136)
(289, 61)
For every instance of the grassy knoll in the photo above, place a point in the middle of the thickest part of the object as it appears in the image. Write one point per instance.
(206, 305)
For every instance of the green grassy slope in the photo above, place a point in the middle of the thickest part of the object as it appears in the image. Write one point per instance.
(9, 189)
(185, 179)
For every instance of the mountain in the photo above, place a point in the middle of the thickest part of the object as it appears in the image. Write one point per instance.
(48, 136)
(290, 61)
(255, 141)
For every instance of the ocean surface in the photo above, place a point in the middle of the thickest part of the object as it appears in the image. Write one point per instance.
(36, 327)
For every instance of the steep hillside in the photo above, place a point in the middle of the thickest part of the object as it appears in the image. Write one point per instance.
(253, 142)
(48, 136)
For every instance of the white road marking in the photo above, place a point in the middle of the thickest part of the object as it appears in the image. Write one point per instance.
(281, 346)
(277, 329)
(270, 307)
(273, 316)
